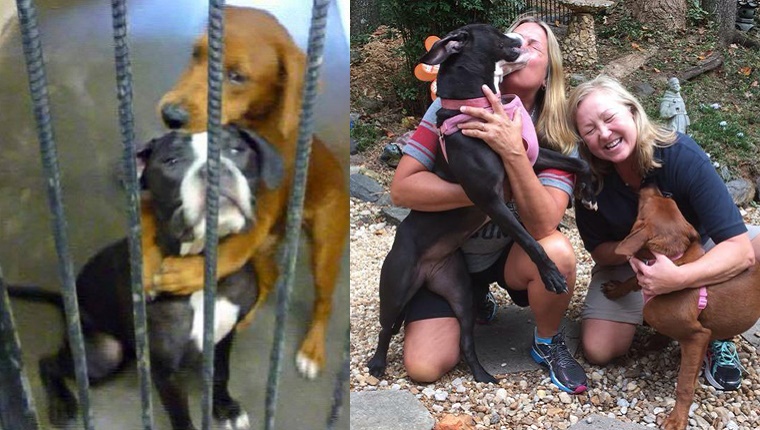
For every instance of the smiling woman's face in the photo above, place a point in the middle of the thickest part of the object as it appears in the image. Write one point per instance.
(606, 126)
(533, 75)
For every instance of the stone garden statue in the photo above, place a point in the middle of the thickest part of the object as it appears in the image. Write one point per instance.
(673, 108)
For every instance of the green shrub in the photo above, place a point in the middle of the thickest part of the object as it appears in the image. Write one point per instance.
(416, 20)
(364, 134)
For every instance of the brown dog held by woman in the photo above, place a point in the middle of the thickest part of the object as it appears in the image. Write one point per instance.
(660, 227)
(262, 90)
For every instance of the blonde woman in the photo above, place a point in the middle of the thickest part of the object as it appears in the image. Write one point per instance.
(623, 148)
(431, 342)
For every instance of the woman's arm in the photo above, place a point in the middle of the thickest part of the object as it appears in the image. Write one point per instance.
(416, 187)
(726, 260)
(604, 254)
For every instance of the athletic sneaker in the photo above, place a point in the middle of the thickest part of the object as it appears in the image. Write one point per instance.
(723, 370)
(486, 309)
(565, 372)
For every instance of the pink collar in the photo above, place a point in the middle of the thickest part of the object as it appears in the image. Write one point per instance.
(512, 105)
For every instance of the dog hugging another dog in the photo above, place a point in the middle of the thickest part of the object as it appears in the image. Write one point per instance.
(261, 108)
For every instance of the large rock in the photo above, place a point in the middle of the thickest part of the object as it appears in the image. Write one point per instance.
(742, 191)
(388, 410)
(365, 188)
(394, 214)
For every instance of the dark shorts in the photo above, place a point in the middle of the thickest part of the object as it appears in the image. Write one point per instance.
(427, 304)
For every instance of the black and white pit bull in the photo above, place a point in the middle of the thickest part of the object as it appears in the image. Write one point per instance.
(425, 249)
(173, 175)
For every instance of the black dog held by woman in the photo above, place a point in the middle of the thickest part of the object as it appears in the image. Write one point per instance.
(174, 176)
(424, 250)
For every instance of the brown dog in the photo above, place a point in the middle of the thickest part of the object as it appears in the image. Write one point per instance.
(660, 227)
(262, 90)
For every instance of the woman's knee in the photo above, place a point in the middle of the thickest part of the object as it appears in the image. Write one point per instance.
(561, 252)
(603, 341)
(431, 348)
(428, 368)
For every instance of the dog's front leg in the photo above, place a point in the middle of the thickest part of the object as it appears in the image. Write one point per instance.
(692, 351)
(173, 396)
(152, 256)
(226, 409)
(614, 290)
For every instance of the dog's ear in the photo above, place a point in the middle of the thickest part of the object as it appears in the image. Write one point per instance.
(634, 241)
(144, 152)
(452, 43)
(271, 167)
(292, 68)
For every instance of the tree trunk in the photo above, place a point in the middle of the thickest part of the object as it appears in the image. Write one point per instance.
(724, 13)
(665, 14)
(365, 16)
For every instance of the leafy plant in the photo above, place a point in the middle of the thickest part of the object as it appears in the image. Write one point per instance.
(364, 134)
(695, 15)
(418, 20)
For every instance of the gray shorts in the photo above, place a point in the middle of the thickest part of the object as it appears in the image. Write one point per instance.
(627, 309)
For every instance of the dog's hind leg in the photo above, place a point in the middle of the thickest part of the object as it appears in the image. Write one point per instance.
(397, 286)
(62, 404)
(226, 409)
(693, 349)
(452, 282)
(328, 230)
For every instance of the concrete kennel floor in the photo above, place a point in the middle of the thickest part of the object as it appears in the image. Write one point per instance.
(77, 43)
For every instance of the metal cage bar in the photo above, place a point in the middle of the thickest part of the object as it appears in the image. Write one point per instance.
(127, 127)
(17, 409)
(295, 205)
(30, 35)
(215, 80)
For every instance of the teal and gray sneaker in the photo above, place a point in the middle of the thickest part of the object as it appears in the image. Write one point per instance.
(565, 372)
(723, 370)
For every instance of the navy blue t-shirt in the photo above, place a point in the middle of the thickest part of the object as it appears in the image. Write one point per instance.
(689, 176)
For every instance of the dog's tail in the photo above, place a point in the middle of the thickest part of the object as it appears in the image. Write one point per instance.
(34, 293)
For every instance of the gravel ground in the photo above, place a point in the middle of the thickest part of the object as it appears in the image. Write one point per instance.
(638, 388)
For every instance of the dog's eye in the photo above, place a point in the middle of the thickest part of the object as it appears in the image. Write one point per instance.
(169, 161)
(235, 150)
(236, 77)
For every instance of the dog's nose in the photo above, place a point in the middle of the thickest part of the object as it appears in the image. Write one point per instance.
(174, 115)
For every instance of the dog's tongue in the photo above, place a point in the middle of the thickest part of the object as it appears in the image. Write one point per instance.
(520, 63)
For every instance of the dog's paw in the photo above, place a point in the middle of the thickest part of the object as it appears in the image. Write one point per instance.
(230, 415)
(613, 290)
(587, 196)
(674, 423)
(307, 367)
(241, 422)
(554, 281)
(377, 366)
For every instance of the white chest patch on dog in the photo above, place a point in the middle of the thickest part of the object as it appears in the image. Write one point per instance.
(225, 317)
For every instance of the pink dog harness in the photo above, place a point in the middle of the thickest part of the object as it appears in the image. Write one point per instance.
(701, 303)
(512, 105)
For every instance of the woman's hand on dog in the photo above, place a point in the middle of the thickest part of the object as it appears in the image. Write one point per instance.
(501, 133)
(658, 276)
